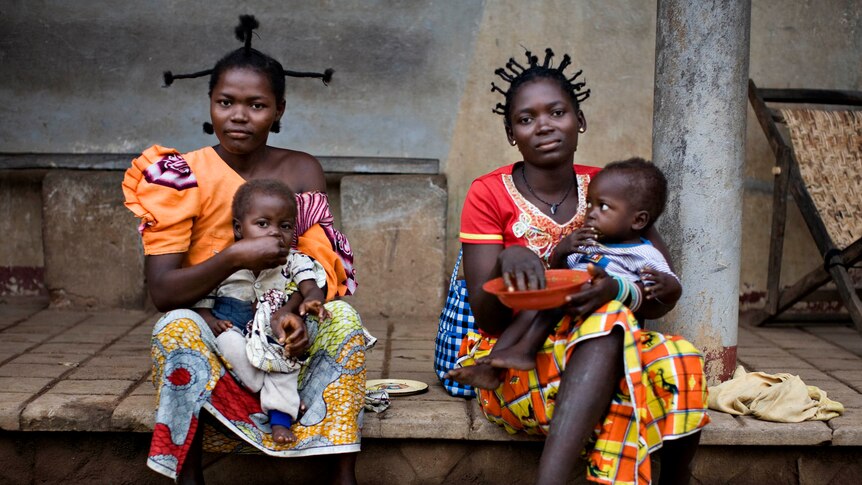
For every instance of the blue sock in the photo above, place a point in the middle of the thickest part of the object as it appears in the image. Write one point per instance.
(279, 418)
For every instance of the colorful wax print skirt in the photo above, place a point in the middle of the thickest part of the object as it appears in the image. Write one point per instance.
(663, 394)
(189, 375)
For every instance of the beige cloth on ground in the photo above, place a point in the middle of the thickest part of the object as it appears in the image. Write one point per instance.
(781, 397)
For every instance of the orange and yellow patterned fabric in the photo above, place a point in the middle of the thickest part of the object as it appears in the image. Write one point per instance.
(183, 201)
(663, 395)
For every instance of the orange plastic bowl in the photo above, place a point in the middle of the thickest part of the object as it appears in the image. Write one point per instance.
(559, 283)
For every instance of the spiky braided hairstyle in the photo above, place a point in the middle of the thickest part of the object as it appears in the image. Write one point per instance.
(517, 75)
(250, 58)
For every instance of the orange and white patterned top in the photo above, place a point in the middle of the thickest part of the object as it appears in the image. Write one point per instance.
(496, 213)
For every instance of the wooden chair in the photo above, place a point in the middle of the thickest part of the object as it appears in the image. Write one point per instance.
(818, 157)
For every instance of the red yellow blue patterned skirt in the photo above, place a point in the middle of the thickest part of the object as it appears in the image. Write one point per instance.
(663, 394)
(190, 375)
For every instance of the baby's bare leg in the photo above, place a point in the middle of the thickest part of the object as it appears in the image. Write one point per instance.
(485, 376)
(482, 376)
(522, 353)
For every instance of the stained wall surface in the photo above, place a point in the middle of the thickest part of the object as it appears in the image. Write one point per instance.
(86, 77)
(412, 80)
(793, 44)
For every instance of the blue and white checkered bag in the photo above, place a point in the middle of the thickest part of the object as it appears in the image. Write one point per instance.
(455, 321)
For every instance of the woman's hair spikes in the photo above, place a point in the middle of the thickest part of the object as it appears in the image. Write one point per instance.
(244, 32)
(245, 29)
(513, 66)
(515, 74)
(549, 54)
(564, 63)
(503, 74)
(325, 76)
(170, 77)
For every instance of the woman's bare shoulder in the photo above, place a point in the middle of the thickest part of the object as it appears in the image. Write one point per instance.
(300, 170)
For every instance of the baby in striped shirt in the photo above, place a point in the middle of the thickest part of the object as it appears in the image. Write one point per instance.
(623, 202)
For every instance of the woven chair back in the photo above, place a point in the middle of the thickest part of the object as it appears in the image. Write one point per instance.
(828, 149)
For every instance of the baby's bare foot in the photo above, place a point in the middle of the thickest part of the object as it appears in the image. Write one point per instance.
(282, 434)
(482, 376)
(511, 358)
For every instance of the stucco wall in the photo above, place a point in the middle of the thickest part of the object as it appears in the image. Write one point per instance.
(412, 80)
(612, 41)
(85, 76)
(793, 44)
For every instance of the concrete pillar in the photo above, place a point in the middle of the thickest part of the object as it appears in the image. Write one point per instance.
(701, 74)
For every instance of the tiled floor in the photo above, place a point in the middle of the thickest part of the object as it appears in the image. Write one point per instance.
(89, 371)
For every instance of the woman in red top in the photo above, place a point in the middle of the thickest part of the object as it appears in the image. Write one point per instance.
(599, 378)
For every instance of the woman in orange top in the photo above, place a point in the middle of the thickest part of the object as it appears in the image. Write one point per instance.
(183, 201)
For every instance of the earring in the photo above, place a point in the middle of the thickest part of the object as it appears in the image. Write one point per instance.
(582, 130)
(513, 142)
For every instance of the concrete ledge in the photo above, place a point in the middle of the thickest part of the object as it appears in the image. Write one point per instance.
(90, 371)
(69, 457)
(120, 161)
(22, 264)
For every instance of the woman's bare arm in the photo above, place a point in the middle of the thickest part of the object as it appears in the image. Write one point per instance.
(172, 286)
(481, 264)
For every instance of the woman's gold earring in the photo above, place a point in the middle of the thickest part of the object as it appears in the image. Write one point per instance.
(582, 130)
(513, 142)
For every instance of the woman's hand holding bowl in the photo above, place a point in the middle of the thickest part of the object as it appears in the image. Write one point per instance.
(521, 269)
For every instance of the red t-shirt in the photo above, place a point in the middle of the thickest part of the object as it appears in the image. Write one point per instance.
(496, 213)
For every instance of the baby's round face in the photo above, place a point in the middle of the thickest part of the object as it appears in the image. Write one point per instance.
(609, 208)
(269, 215)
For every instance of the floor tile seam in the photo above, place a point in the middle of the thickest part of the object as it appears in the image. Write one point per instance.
(128, 392)
(828, 372)
(470, 409)
(17, 322)
(842, 381)
(836, 344)
(800, 357)
(47, 338)
(750, 429)
(65, 374)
